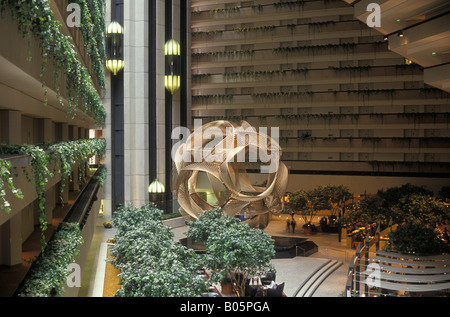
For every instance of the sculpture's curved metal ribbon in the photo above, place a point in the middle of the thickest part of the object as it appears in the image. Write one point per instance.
(221, 149)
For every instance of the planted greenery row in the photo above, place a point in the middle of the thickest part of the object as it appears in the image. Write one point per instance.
(6, 172)
(101, 174)
(415, 210)
(49, 272)
(150, 263)
(65, 154)
(37, 18)
(258, 7)
(93, 37)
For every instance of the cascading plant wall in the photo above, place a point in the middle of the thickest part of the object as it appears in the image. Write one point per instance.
(37, 19)
(65, 155)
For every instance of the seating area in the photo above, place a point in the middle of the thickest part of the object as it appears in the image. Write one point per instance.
(254, 287)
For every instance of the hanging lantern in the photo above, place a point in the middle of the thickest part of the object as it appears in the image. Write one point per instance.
(156, 187)
(172, 78)
(114, 38)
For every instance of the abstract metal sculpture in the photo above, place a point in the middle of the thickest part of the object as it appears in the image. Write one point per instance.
(222, 150)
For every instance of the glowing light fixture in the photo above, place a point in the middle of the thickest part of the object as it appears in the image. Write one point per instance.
(156, 187)
(400, 34)
(114, 41)
(172, 78)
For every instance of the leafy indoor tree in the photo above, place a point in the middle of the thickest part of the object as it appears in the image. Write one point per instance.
(415, 238)
(329, 197)
(302, 202)
(239, 252)
(421, 210)
(234, 250)
(209, 222)
(386, 206)
(150, 262)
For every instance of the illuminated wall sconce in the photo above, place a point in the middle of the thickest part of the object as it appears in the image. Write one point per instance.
(156, 191)
(172, 78)
(400, 34)
(156, 187)
(114, 41)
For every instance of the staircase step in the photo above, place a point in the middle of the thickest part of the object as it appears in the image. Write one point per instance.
(315, 279)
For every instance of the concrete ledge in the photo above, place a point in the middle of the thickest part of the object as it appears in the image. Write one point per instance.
(175, 222)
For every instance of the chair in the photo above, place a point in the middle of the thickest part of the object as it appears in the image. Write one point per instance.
(277, 292)
(250, 291)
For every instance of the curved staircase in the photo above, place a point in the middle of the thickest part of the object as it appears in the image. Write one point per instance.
(316, 278)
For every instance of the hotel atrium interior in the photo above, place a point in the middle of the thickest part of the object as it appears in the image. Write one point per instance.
(206, 148)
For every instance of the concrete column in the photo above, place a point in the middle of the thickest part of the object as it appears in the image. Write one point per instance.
(73, 135)
(62, 134)
(50, 202)
(61, 131)
(73, 132)
(45, 130)
(11, 241)
(10, 127)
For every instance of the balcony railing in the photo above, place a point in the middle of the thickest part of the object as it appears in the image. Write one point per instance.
(374, 272)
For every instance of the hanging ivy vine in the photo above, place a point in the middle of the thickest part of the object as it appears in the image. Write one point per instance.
(7, 180)
(93, 36)
(49, 272)
(68, 153)
(37, 18)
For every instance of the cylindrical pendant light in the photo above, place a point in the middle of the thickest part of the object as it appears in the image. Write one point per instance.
(172, 78)
(114, 37)
(156, 187)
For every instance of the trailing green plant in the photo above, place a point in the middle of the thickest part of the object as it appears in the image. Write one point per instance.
(6, 180)
(40, 160)
(93, 37)
(101, 174)
(74, 152)
(313, 48)
(225, 53)
(289, 94)
(66, 153)
(255, 29)
(49, 272)
(35, 18)
(234, 9)
(207, 33)
(217, 98)
(288, 4)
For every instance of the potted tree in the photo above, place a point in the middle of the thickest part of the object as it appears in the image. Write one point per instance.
(420, 214)
(234, 250)
(303, 202)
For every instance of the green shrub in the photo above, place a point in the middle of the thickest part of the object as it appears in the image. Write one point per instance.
(415, 238)
(49, 272)
(151, 264)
